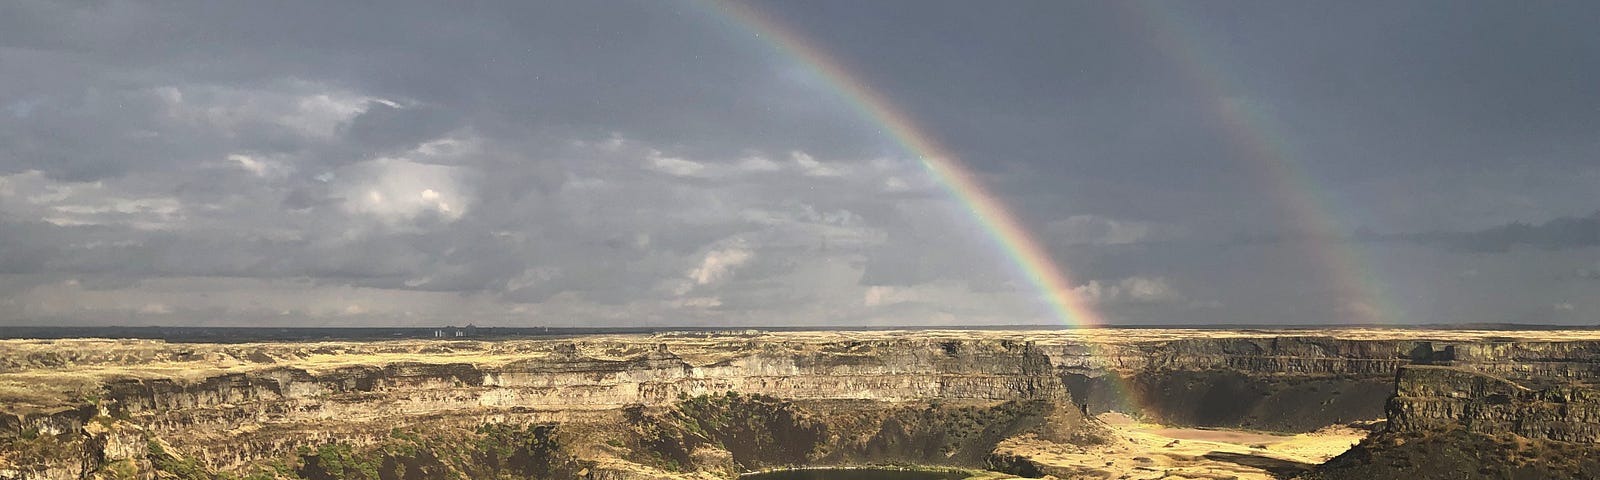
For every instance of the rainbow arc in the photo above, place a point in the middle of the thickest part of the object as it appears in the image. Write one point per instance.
(1019, 247)
(1268, 150)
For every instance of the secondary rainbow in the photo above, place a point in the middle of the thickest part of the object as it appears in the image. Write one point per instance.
(1019, 246)
(1272, 155)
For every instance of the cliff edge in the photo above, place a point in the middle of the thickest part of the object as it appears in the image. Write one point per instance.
(1453, 422)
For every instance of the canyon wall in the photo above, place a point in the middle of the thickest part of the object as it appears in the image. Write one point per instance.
(1299, 383)
(73, 407)
(1468, 419)
(271, 410)
(1287, 383)
(1443, 397)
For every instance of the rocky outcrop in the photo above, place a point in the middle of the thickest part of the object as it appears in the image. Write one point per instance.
(1464, 420)
(1439, 397)
(1457, 454)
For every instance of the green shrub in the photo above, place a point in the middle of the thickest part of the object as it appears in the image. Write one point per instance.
(187, 468)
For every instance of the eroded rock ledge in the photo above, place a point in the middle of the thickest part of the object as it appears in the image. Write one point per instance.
(1441, 397)
(1460, 421)
(1497, 408)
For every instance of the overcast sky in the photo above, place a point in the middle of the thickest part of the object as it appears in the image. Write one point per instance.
(660, 163)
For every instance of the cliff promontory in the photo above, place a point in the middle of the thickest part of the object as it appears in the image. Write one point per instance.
(1461, 422)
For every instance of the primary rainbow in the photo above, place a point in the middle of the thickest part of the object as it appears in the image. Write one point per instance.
(1019, 246)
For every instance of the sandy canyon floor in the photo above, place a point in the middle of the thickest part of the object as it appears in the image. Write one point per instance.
(1150, 451)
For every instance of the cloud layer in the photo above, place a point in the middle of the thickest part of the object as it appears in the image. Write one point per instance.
(652, 163)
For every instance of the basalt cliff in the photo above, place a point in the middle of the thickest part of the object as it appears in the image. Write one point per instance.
(1503, 410)
(714, 405)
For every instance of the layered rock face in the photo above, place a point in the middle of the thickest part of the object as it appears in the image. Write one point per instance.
(1302, 382)
(1459, 422)
(73, 408)
(1306, 353)
(1493, 409)
(266, 411)
(1535, 389)
(1441, 397)
(1289, 383)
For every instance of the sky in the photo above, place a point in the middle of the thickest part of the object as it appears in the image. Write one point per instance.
(661, 163)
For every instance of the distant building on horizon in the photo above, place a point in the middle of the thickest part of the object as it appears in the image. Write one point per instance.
(456, 332)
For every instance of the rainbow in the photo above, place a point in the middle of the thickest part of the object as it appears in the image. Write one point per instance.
(1253, 132)
(1271, 154)
(1002, 226)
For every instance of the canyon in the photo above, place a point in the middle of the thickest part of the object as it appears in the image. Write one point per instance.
(1090, 403)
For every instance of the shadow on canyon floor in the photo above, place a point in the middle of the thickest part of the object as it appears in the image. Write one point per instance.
(1277, 466)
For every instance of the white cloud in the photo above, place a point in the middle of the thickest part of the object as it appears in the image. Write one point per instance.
(256, 167)
(312, 109)
(616, 243)
(758, 163)
(1592, 273)
(32, 195)
(199, 300)
(896, 184)
(397, 190)
(810, 167)
(1097, 230)
(879, 295)
(672, 165)
(750, 165)
(450, 147)
(718, 264)
(1131, 290)
(1147, 290)
(533, 277)
(695, 302)
(260, 166)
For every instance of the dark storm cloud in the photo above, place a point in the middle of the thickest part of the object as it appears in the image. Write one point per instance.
(1557, 234)
(510, 67)
(1091, 95)
(657, 163)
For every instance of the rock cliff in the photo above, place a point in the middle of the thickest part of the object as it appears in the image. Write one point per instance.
(1466, 418)
(274, 400)
(1440, 397)
(126, 409)
(1299, 382)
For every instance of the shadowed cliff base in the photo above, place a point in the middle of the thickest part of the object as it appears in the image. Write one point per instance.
(1275, 466)
(1456, 454)
(1455, 422)
(1236, 399)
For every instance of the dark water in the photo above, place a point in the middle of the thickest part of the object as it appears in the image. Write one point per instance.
(853, 474)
